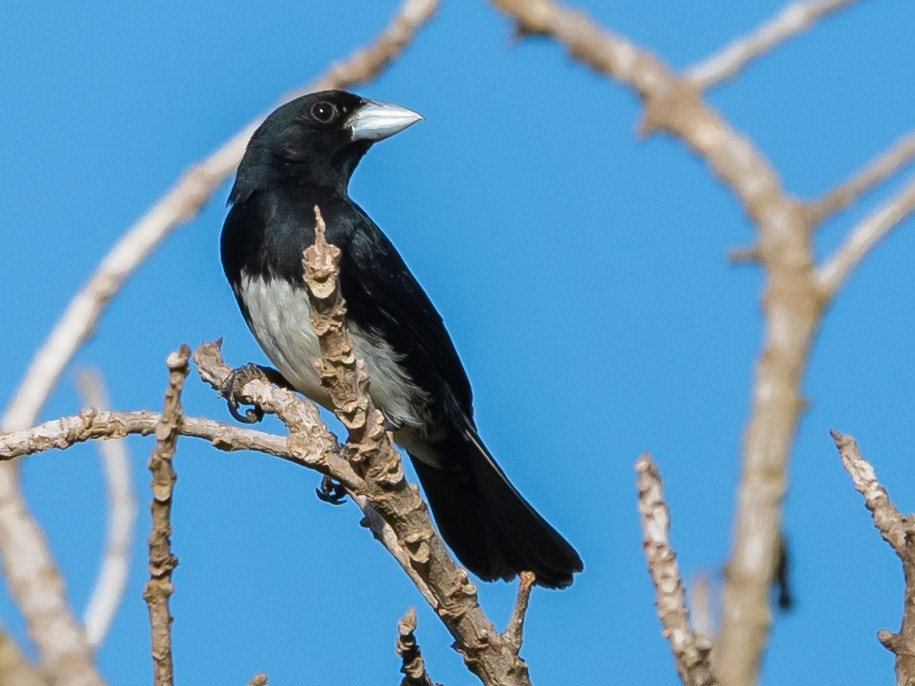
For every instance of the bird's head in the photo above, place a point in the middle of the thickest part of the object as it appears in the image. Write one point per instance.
(317, 139)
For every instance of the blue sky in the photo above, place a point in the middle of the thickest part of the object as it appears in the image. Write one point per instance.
(580, 270)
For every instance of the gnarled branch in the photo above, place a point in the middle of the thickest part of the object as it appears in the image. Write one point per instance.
(371, 451)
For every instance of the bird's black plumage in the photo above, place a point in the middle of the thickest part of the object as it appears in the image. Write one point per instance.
(303, 155)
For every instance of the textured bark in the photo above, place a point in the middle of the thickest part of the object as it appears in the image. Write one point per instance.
(371, 451)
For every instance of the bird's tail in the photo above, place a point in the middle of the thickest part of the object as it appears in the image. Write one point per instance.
(491, 528)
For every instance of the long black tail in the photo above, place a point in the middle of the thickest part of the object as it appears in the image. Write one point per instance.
(491, 528)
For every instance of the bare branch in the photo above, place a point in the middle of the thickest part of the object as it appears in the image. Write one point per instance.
(311, 445)
(35, 581)
(371, 451)
(122, 513)
(790, 21)
(863, 237)
(413, 667)
(878, 170)
(90, 424)
(514, 632)
(162, 562)
(888, 520)
(793, 304)
(899, 531)
(691, 652)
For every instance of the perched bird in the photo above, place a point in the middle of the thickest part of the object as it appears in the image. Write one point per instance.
(302, 156)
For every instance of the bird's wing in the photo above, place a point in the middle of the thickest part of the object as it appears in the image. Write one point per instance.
(383, 295)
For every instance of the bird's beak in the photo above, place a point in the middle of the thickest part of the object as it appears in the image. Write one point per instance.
(375, 120)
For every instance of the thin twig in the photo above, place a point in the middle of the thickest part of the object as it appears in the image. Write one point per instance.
(790, 21)
(878, 170)
(514, 632)
(863, 237)
(122, 513)
(34, 578)
(412, 666)
(899, 531)
(691, 652)
(371, 451)
(162, 561)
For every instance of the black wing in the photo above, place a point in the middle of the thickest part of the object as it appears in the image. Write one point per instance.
(384, 297)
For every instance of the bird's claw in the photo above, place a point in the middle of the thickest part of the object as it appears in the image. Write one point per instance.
(331, 491)
(231, 391)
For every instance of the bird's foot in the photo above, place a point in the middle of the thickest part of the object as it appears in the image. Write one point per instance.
(235, 382)
(331, 491)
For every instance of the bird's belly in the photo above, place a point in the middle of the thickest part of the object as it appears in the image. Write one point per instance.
(280, 318)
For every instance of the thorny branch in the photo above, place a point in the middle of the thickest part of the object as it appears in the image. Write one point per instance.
(371, 451)
(795, 295)
(692, 652)
(162, 561)
(34, 579)
(899, 531)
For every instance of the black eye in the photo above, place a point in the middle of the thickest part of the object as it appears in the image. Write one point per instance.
(323, 112)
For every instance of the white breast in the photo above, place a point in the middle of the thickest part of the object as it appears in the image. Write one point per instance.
(281, 322)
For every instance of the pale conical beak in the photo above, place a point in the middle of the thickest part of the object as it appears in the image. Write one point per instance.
(376, 120)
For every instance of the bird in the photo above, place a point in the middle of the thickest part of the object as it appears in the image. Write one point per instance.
(303, 156)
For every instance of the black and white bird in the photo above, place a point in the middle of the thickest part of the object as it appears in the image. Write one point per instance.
(303, 155)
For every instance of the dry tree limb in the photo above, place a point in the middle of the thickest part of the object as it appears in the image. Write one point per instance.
(791, 301)
(790, 21)
(34, 579)
(122, 514)
(162, 561)
(863, 237)
(371, 451)
(877, 171)
(413, 667)
(691, 651)
(896, 529)
(311, 444)
(91, 424)
(794, 300)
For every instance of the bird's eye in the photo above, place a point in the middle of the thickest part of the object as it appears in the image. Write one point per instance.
(323, 112)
